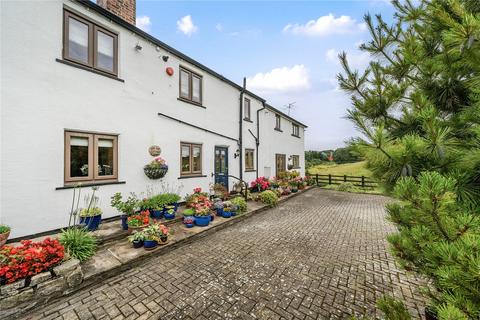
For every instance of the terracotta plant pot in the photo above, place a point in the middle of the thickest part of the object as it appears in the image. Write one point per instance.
(163, 240)
(140, 228)
(4, 237)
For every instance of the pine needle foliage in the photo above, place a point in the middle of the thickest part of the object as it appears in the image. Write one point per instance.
(417, 108)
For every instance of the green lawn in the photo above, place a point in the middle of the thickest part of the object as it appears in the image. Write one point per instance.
(350, 169)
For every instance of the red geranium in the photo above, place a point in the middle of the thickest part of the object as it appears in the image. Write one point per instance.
(29, 259)
(261, 183)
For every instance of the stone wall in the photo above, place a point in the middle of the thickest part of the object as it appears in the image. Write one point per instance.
(25, 294)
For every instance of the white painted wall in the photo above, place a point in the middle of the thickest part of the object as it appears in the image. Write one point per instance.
(40, 98)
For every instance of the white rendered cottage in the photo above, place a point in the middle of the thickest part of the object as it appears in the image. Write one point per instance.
(83, 88)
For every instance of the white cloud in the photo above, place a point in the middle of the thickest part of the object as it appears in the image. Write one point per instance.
(186, 26)
(219, 27)
(325, 26)
(281, 80)
(143, 23)
(357, 60)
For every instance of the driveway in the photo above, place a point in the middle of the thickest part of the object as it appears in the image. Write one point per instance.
(320, 255)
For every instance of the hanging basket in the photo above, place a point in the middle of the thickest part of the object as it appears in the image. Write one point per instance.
(155, 173)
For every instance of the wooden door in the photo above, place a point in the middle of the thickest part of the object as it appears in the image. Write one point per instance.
(280, 163)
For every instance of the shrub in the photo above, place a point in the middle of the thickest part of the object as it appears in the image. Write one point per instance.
(240, 203)
(29, 259)
(269, 198)
(161, 200)
(126, 207)
(346, 186)
(78, 243)
(4, 228)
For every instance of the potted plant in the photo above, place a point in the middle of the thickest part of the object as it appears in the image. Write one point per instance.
(155, 234)
(218, 206)
(127, 207)
(260, 184)
(156, 169)
(4, 234)
(91, 215)
(240, 203)
(169, 212)
(138, 221)
(189, 222)
(137, 239)
(228, 209)
(202, 212)
(157, 203)
(188, 213)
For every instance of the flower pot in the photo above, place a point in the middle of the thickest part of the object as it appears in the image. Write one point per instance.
(124, 221)
(163, 240)
(294, 190)
(156, 214)
(149, 244)
(137, 244)
(234, 213)
(169, 216)
(202, 221)
(139, 228)
(91, 223)
(189, 225)
(430, 314)
(4, 237)
(227, 214)
(155, 173)
(219, 211)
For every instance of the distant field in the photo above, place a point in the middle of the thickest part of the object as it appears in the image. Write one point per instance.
(349, 169)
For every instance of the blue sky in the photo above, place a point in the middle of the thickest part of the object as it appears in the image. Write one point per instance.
(287, 50)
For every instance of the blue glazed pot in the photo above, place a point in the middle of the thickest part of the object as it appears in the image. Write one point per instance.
(219, 212)
(169, 216)
(212, 217)
(294, 190)
(124, 222)
(137, 244)
(227, 214)
(91, 223)
(234, 213)
(149, 244)
(202, 221)
(156, 214)
(189, 225)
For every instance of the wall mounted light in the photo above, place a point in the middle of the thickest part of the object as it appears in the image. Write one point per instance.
(236, 154)
(138, 47)
(165, 58)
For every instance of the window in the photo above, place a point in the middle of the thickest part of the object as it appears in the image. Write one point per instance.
(296, 161)
(278, 122)
(295, 130)
(88, 44)
(190, 158)
(246, 109)
(249, 159)
(190, 86)
(90, 157)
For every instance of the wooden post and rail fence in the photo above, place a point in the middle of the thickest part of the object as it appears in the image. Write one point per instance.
(359, 181)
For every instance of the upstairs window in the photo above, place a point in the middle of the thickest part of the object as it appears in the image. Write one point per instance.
(296, 161)
(190, 159)
(278, 122)
(90, 157)
(246, 109)
(89, 44)
(295, 130)
(190, 86)
(249, 159)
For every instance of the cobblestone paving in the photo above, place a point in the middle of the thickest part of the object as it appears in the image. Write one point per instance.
(321, 255)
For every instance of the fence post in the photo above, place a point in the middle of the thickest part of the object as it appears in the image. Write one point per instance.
(329, 178)
(316, 178)
(363, 181)
(344, 178)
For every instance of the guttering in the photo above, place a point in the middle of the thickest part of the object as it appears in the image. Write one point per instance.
(240, 128)
(257, 140)
(197, 127)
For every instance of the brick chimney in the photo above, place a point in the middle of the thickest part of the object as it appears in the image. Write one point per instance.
(125, 9)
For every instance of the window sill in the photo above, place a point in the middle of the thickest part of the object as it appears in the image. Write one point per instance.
(191, 102)
(248, 120)
(250, 170)
(79, 66)
(279, 130)
(192, 176)
(89, 184)
(294, 135)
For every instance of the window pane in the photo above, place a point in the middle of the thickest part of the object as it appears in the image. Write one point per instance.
(249, 159)
(185, 158)
(196, 89)
(197, 154)
(105, 51)
(78, 157)
(105, 157)
(247, 109)
(184, 84)
(77, 40)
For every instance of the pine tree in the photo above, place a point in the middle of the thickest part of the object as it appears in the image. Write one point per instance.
(417, 107)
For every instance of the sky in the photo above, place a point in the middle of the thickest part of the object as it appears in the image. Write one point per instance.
(287, 50)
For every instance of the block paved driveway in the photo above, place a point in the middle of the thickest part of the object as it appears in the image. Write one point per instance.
(321, 255)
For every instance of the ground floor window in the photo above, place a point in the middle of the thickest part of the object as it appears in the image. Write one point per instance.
(296, 161)
(249, 159)
(90, 157)
(280, 164)
(190, 158)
